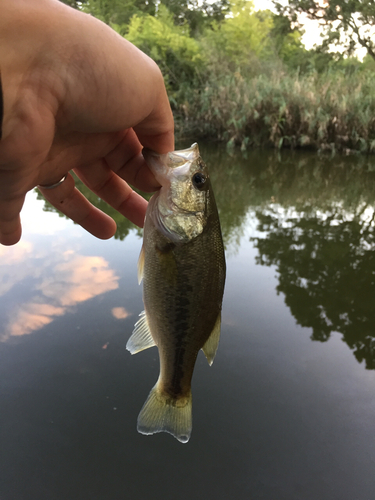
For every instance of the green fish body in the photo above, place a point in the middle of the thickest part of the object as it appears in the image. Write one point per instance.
(183, 267)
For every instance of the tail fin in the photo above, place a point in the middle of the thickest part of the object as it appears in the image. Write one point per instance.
(161, 413)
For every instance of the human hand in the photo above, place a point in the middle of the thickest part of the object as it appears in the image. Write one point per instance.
(79, 97)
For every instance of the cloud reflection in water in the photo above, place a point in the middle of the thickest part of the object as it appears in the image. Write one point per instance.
(62, 280)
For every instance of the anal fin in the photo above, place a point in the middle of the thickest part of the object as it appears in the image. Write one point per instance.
(141, 337)
(211, 345)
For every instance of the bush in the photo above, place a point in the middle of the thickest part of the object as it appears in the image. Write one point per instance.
(333, 111)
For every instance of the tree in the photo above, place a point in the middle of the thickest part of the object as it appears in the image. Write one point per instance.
(114, 11)
(76, 4)
(349, 23)
(287, 43)
(196, 14)
(178, 55)
(241, 39)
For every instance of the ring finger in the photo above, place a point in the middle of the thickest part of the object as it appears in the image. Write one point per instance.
(68, 200)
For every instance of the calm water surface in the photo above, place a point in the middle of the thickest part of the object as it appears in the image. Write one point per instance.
(287, 411)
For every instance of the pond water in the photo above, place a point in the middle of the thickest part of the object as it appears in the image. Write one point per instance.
(287, 411)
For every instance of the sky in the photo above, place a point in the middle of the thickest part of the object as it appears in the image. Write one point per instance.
(312, 30)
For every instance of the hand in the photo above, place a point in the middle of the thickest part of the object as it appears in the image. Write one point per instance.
(77, 96)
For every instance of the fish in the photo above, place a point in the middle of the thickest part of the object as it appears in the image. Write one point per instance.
(182, 263)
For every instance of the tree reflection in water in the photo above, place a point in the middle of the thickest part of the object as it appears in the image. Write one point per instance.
(124, 226)
(326, 267)
(322, 244)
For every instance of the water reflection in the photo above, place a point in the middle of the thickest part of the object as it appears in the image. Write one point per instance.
(124, 226)
(313, 218)
(326, 266)
(30, 317)
(59, 279)
(77, 279)
(316, 216)
(10, 270)
(69, 398)
(120, 313)
(321, 238)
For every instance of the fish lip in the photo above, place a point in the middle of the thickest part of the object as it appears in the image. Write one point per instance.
(188, 154)
(154, 162)
(172, 159)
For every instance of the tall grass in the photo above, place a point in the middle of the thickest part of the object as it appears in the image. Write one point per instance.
(332, 111)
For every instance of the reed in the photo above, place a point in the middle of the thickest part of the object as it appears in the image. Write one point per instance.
(333, 111)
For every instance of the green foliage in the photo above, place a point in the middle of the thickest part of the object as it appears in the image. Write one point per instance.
(346, 23)
(118, 11)
(240, 39)
(368, 63)
(329, 112)
(177, 54)
(76, 4)
(245, 78)
(196, 15)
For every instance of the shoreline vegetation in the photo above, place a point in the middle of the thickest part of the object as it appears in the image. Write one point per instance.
(328, 112)
(244, 78)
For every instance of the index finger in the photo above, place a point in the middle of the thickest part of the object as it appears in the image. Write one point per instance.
(150, 134)
(126, 160)
(10, 222)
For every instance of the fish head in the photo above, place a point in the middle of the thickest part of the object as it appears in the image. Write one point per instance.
(180, 208)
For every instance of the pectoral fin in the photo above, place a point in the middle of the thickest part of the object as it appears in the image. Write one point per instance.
(141, 338)
(141, 265)
(210, 347)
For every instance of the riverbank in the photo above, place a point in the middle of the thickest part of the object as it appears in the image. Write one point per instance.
(332, 112)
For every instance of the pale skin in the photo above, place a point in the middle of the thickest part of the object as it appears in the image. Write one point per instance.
(77, 96)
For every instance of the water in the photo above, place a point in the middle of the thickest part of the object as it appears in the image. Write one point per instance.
(287, 411)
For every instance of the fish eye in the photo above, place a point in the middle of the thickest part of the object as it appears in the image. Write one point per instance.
(198, 180)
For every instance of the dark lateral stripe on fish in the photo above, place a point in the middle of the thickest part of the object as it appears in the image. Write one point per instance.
(178, 373)
(182, 327)
(181, 313)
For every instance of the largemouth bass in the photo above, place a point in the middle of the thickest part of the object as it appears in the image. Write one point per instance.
(182, 263)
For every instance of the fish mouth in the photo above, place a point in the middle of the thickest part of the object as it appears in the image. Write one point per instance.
(148, 153)
(179, 156)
